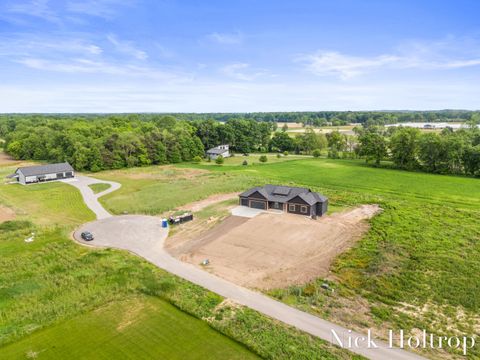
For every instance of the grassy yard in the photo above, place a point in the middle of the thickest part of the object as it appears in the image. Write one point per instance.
(53, 203)
(138, 328)
(98, 188)
(418, 266)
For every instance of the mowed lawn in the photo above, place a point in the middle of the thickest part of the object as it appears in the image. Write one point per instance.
(52, 203)
(139, 328)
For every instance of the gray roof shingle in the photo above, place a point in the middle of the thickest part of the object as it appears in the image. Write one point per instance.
(45, 169)
(275, 193)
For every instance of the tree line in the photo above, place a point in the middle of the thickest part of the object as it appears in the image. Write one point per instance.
(447, 152)
(111, 142)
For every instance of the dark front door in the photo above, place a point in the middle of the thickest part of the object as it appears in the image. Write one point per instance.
(258, 204)
(60, 176)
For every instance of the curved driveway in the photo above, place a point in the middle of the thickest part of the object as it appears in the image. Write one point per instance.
(143, 236)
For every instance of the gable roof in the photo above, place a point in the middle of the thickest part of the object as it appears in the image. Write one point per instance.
(216, 151)
(285, 193)
(45, 169)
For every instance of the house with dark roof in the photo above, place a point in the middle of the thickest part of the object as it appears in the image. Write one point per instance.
(42, 173)
(215, 152)
(295, 200)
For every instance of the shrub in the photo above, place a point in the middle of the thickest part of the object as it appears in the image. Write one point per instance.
(263, 158)
(316, 153)
(285, 153)
(219, 160)
(245, 162)
(197, 159)
(278, 156)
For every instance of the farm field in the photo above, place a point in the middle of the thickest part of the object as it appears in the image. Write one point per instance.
(50, 283)
(418, 265)
(141, 327)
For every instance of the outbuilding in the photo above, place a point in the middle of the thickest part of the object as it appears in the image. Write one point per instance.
(42, 173)
(295, 200)
(215, 152)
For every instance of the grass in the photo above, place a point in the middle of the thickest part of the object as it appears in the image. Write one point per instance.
(253, 159)
(154, 190)
(141, 327)
(52, 203)
(51, 285)
(98, 188)
(418, 266)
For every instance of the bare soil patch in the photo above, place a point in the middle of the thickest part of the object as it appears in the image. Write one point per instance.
(6, 214)
(272, 250)
(202, 204)
(6, 159)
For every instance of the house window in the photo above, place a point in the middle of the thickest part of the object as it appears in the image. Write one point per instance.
(291, 207)
(303, 209)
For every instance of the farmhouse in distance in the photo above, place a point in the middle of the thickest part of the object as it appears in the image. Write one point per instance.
(215, 152)
(294, 200)
(42, 173)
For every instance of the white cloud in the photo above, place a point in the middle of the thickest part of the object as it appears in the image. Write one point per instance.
(334, 63)
(127, 47)
(241, 71)
(88, 66)
(446, 54)
(35, 8)
(226, 38)
(100, 8)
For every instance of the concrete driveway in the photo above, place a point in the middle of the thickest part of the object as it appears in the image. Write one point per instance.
(144, 236)
(91, 199)
(136, 233)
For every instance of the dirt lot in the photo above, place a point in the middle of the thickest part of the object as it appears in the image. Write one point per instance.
(274, 250)
(6, 214)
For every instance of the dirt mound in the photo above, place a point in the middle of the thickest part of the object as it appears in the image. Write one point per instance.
(272, 250)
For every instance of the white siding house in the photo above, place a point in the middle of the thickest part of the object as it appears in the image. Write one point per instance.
(217, 151)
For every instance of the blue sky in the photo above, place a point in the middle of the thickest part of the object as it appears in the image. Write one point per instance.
(250, 55)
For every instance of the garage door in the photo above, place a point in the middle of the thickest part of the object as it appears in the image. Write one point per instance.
(244, 202)
(258, 205)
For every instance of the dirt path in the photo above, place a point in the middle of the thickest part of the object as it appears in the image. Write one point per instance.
(271, 251)
(202, 204)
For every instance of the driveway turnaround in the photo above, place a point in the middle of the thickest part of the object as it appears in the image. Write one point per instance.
(144, 236)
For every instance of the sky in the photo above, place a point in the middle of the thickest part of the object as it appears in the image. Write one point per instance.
(238, 55)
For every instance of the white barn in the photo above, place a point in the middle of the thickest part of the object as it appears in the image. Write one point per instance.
(42, 173)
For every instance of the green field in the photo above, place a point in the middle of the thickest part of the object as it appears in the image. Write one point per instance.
(51, 285)
(138, 328)
(253, 159)
(98, 188)
(418, 266)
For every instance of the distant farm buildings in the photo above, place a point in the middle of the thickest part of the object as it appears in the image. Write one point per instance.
(215, 152)
(42, 173)
(295, 200)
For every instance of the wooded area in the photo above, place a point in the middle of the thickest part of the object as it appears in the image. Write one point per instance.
(97, 142)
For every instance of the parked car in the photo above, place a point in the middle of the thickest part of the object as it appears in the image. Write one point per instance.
(87, 236)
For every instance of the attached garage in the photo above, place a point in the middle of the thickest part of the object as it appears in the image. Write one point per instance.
(257, 204)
